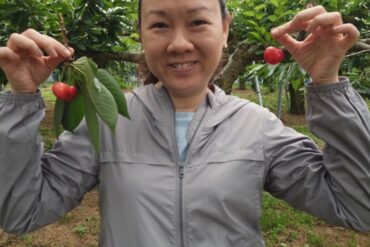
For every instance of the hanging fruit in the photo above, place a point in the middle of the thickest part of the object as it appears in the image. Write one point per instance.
(89, 92)
(273, 55)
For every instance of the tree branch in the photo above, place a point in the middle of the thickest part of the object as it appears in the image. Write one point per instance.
(243, 55)
(103, 57)
(360, 46)
(367, 41)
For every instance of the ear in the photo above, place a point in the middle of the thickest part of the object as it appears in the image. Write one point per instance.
(226, 26)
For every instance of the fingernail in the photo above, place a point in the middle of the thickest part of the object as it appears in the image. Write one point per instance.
(274, 31)
(39, 53)
(66, 52)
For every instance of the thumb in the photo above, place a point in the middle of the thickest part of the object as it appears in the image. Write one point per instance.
(53, 62)
(288, 42)
(6, 54)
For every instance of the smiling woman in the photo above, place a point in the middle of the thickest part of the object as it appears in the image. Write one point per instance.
(150, 78)
(189, 167)
(183, 44)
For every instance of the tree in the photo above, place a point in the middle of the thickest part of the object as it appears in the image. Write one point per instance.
(250, 29)
(106, 30)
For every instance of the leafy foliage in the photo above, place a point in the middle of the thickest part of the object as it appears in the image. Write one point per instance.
(99, 96)
(92, 25)
(253, 20)
(111, 26)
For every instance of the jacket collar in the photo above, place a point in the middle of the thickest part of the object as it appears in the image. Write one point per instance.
(159, 104)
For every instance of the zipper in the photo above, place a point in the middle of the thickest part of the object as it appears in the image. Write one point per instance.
(181, 176)
(181, 168)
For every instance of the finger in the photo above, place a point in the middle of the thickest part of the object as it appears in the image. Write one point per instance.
(349, 31)
(51, 46)
(5, 54)
(325, 20)
(288, 42)
(53, 62)
(299, 22)
(18, 42)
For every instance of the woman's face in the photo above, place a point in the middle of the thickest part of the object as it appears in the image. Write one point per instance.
(183, 41)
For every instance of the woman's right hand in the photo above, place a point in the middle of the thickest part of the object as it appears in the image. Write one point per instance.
(24, 63)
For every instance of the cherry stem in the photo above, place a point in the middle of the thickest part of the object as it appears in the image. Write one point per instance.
(64, 33)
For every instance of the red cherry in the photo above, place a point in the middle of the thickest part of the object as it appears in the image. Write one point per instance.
(60, 90)
(273, 55)
(64, 92)
(72, 93)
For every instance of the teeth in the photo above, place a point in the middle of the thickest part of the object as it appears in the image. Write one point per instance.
(182, 65)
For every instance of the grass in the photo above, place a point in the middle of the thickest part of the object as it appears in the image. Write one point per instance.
(282, 225)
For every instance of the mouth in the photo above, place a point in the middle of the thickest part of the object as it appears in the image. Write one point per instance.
(180, 66)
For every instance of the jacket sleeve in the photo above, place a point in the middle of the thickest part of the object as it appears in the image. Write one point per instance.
(333, 185)
(36, 189)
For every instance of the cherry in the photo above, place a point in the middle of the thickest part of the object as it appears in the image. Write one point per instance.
(273, 55)
(63, 91)
(72, 93)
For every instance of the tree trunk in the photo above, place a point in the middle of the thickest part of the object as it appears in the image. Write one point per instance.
(242, 84)
(243, 55)
(297, 101)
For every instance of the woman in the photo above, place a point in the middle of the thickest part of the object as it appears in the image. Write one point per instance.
(189, 168)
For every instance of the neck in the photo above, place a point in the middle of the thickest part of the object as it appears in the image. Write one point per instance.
(188, 103)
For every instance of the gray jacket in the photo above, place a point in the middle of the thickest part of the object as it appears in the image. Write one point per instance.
(213, 199)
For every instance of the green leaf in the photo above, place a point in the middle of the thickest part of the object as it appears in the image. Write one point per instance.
(261, 6)
(92, 121)
(255, 36)
(252, 23)
(260, 16)
(100, 97)
(256, 69)
(112, 85)
(296, 84)
(58, 116)
(273, 18)
(275, 3)
(249, 13)
(104, 103)
(73, 113)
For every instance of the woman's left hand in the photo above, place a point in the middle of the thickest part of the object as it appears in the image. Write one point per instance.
(323, 50)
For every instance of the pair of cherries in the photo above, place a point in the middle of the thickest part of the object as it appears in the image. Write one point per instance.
(64, 91)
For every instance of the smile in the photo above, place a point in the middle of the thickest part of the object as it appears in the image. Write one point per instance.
(182, 66)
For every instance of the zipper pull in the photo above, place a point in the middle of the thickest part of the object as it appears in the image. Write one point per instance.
(181, 168)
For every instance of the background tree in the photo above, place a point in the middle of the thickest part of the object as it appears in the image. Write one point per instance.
(106, 30)
(250, 35)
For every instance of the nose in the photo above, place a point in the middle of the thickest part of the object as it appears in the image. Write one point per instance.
(180, 42)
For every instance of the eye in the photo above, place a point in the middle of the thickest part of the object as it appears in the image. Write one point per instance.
(159, 25)
(199, 22)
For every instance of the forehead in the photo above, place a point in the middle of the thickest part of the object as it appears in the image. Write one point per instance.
(171, 6)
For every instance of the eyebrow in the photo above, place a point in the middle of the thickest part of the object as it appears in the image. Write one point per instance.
(189, 11)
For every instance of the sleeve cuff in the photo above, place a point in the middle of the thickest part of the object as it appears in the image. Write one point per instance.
(22, 98)
(342, 85)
